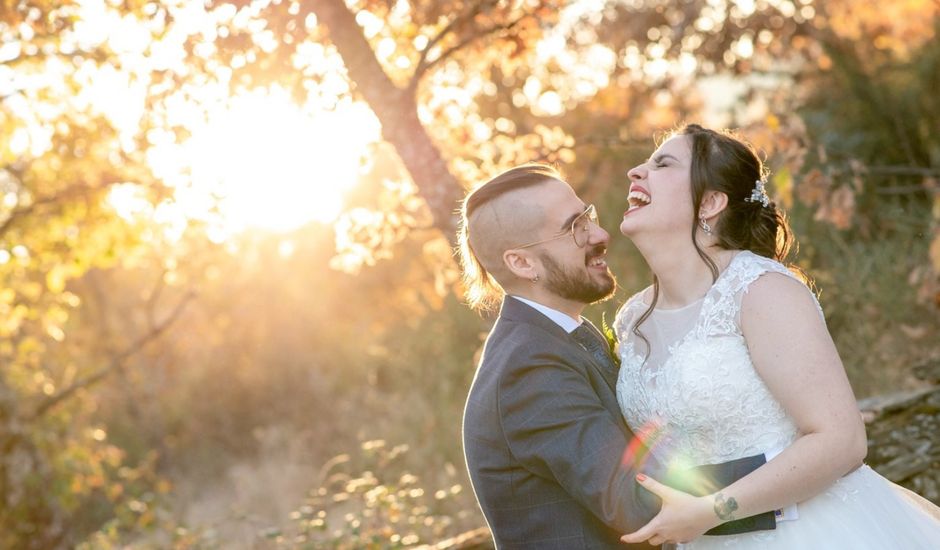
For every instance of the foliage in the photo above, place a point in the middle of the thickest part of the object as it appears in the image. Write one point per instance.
(147, 354)
(868, 171)
(385, 505)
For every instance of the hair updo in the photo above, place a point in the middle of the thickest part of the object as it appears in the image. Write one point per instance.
(722, 162)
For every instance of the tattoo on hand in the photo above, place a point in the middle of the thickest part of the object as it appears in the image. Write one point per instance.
(724, 508)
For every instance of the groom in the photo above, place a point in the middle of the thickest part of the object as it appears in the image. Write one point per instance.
(544, 438)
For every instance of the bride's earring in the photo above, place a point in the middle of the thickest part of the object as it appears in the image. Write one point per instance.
(535, 279)
(705, 227)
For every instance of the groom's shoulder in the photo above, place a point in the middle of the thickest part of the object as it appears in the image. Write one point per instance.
(515, 337)
(514, 344)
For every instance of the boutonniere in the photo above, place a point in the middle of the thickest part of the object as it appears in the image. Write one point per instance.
(611, 338)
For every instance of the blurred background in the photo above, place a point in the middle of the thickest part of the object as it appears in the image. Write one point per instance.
(230, 315)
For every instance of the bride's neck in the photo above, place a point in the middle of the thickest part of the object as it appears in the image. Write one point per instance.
(683, 275)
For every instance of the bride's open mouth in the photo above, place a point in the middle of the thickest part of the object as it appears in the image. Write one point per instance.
(638, 198)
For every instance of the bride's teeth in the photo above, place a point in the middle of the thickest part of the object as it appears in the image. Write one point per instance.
(637, 199)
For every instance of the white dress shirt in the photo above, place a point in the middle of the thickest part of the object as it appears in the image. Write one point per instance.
(567, 323)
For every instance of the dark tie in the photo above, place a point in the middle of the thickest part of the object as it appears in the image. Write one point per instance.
(595, 345)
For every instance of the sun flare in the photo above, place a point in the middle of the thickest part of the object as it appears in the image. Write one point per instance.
(273, 165)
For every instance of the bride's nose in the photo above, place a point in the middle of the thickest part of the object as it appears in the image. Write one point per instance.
(637, 172)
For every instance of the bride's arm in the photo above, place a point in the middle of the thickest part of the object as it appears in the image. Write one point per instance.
(795, 356)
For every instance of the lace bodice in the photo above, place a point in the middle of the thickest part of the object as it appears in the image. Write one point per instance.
(698, 385)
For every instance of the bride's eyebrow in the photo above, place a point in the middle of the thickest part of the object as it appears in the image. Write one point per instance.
(662, 156)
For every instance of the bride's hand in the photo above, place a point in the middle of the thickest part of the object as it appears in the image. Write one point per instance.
(682, 517)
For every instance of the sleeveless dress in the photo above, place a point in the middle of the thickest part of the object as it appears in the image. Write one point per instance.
(700, 390)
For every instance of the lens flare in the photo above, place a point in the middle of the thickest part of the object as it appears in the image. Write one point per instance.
(644, 441)
(653, 438)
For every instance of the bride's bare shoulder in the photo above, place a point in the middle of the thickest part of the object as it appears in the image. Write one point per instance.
(779, 297)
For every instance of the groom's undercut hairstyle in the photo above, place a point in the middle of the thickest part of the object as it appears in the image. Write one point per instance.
(496, 216)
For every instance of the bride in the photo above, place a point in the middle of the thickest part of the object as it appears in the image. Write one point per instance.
(727, 355)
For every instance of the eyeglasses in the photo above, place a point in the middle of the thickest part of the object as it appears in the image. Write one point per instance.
(580, 229)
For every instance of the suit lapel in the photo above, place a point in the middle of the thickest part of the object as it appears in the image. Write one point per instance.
(609, 375)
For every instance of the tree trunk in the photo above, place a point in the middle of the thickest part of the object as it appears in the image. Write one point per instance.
(397, 111)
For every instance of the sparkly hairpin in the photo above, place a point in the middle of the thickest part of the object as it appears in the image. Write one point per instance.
(759, 194)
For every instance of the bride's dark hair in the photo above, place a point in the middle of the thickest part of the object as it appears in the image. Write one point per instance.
(723, 162)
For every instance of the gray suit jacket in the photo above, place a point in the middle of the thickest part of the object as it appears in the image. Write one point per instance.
(544, 440)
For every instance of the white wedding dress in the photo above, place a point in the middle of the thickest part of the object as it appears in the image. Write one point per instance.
(699, 387)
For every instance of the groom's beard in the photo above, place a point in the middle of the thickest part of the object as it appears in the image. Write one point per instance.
(578, 285)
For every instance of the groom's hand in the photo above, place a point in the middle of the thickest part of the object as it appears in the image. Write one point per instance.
(682, 517)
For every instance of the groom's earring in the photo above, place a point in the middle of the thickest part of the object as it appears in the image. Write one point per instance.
(705, 227)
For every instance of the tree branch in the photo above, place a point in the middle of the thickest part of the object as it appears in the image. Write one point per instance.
(72, 191)
(488, 31)
(396, 110)
(468, 15)
(117, 361)
(905, 190)
(154, 296)
(902, 170)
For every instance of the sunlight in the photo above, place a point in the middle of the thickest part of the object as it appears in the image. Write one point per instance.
(256, 161)
(275, 166)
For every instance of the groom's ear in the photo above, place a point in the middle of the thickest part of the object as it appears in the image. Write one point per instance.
(713, 203)
(521, 263)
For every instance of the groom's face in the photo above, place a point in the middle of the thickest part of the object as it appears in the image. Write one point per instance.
(573, 272)
(579, 283)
